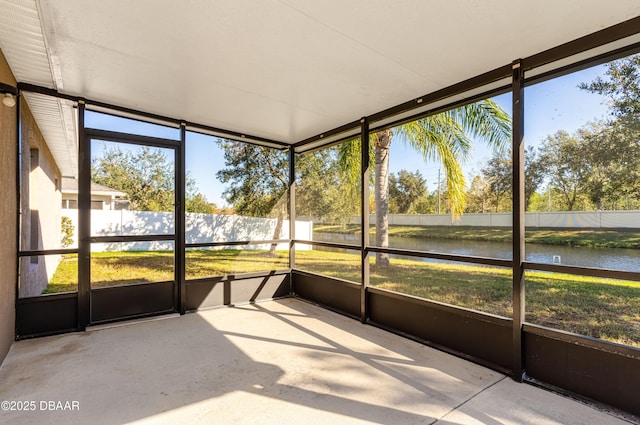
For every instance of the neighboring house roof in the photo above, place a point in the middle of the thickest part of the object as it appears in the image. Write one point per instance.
(70, 185)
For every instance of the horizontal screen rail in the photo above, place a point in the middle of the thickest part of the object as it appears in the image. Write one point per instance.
(48, 252)
(237, 276)
(583, 271)
(328, 244)
(236, 243)
(584, 340)
(441, 256)
(114, 136)
(132, 238)
(145, 116)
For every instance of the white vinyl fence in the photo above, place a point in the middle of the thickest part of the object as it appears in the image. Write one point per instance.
(200, 228)
(576, 219)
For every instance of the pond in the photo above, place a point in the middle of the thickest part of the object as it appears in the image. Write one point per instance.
(605, 258)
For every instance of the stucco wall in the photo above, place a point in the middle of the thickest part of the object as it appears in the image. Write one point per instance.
(41, 201)
(8, 210)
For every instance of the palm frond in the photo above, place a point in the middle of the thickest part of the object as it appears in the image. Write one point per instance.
(445, 137)
(349, 153)
(485, 120)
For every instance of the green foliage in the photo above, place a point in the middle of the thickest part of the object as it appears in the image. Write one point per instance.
(67, 232)
(612, 159)
(198, 204)
(534, 173)
(496, 182)
(497, 173)
(349, 159)
(257, 181)
(610, 150)
(598, 167)
(563, 156)
(478, 195)
(324, 189)
(407, 193)
(446, 137)
(256, 178)
(540, 202)
(622, 85)
(146, 175)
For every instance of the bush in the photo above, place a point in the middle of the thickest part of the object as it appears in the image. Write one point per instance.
(67, 232)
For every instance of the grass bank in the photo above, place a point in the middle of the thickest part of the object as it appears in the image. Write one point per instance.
(601, 308)
(594, 238)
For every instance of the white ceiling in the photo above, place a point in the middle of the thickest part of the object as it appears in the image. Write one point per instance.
(284, 70)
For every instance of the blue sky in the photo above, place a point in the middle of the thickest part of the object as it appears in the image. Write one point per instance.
(550, 106)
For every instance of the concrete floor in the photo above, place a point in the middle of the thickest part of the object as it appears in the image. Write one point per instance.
(283, 362)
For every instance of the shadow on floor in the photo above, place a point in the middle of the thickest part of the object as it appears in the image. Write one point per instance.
(283, 361)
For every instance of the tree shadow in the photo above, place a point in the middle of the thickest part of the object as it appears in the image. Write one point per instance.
(246, 364)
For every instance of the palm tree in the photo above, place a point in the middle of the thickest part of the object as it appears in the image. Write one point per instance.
(444, 137)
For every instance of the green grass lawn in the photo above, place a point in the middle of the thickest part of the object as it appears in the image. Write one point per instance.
(122, 268)
(601, 308)
(594, 238)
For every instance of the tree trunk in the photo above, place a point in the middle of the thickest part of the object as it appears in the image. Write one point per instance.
(281, 206)
(571, 200)
(382, 143)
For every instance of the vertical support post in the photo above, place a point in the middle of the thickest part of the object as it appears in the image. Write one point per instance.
(364, 216)
(18, 201)
(292, 215)
(180, 290)
(518, 219)
(84, 222)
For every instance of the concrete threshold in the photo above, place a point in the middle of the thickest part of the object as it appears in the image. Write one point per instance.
(281, 362)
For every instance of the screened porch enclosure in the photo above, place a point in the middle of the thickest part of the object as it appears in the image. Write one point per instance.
(498, 246)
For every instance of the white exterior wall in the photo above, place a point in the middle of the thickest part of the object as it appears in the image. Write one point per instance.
(40, 222)
(108, 201)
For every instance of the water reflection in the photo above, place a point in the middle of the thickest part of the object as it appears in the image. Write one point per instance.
(606, 258)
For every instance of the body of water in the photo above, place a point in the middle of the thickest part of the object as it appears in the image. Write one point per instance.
(605, 258)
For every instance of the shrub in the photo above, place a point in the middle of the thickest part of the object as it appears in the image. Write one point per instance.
(67, 232)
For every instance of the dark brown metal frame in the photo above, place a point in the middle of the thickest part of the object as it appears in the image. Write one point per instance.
(517, 73)
(580, 45)
(235, 243)
(7, 88)
(292, 212)
(87, 296)
(84, 221)
(518, 214)
(181, 261)
(152, 118)
(519, 329)
(82, 298)
(364, 217)
(18, 187)
(600, 38)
